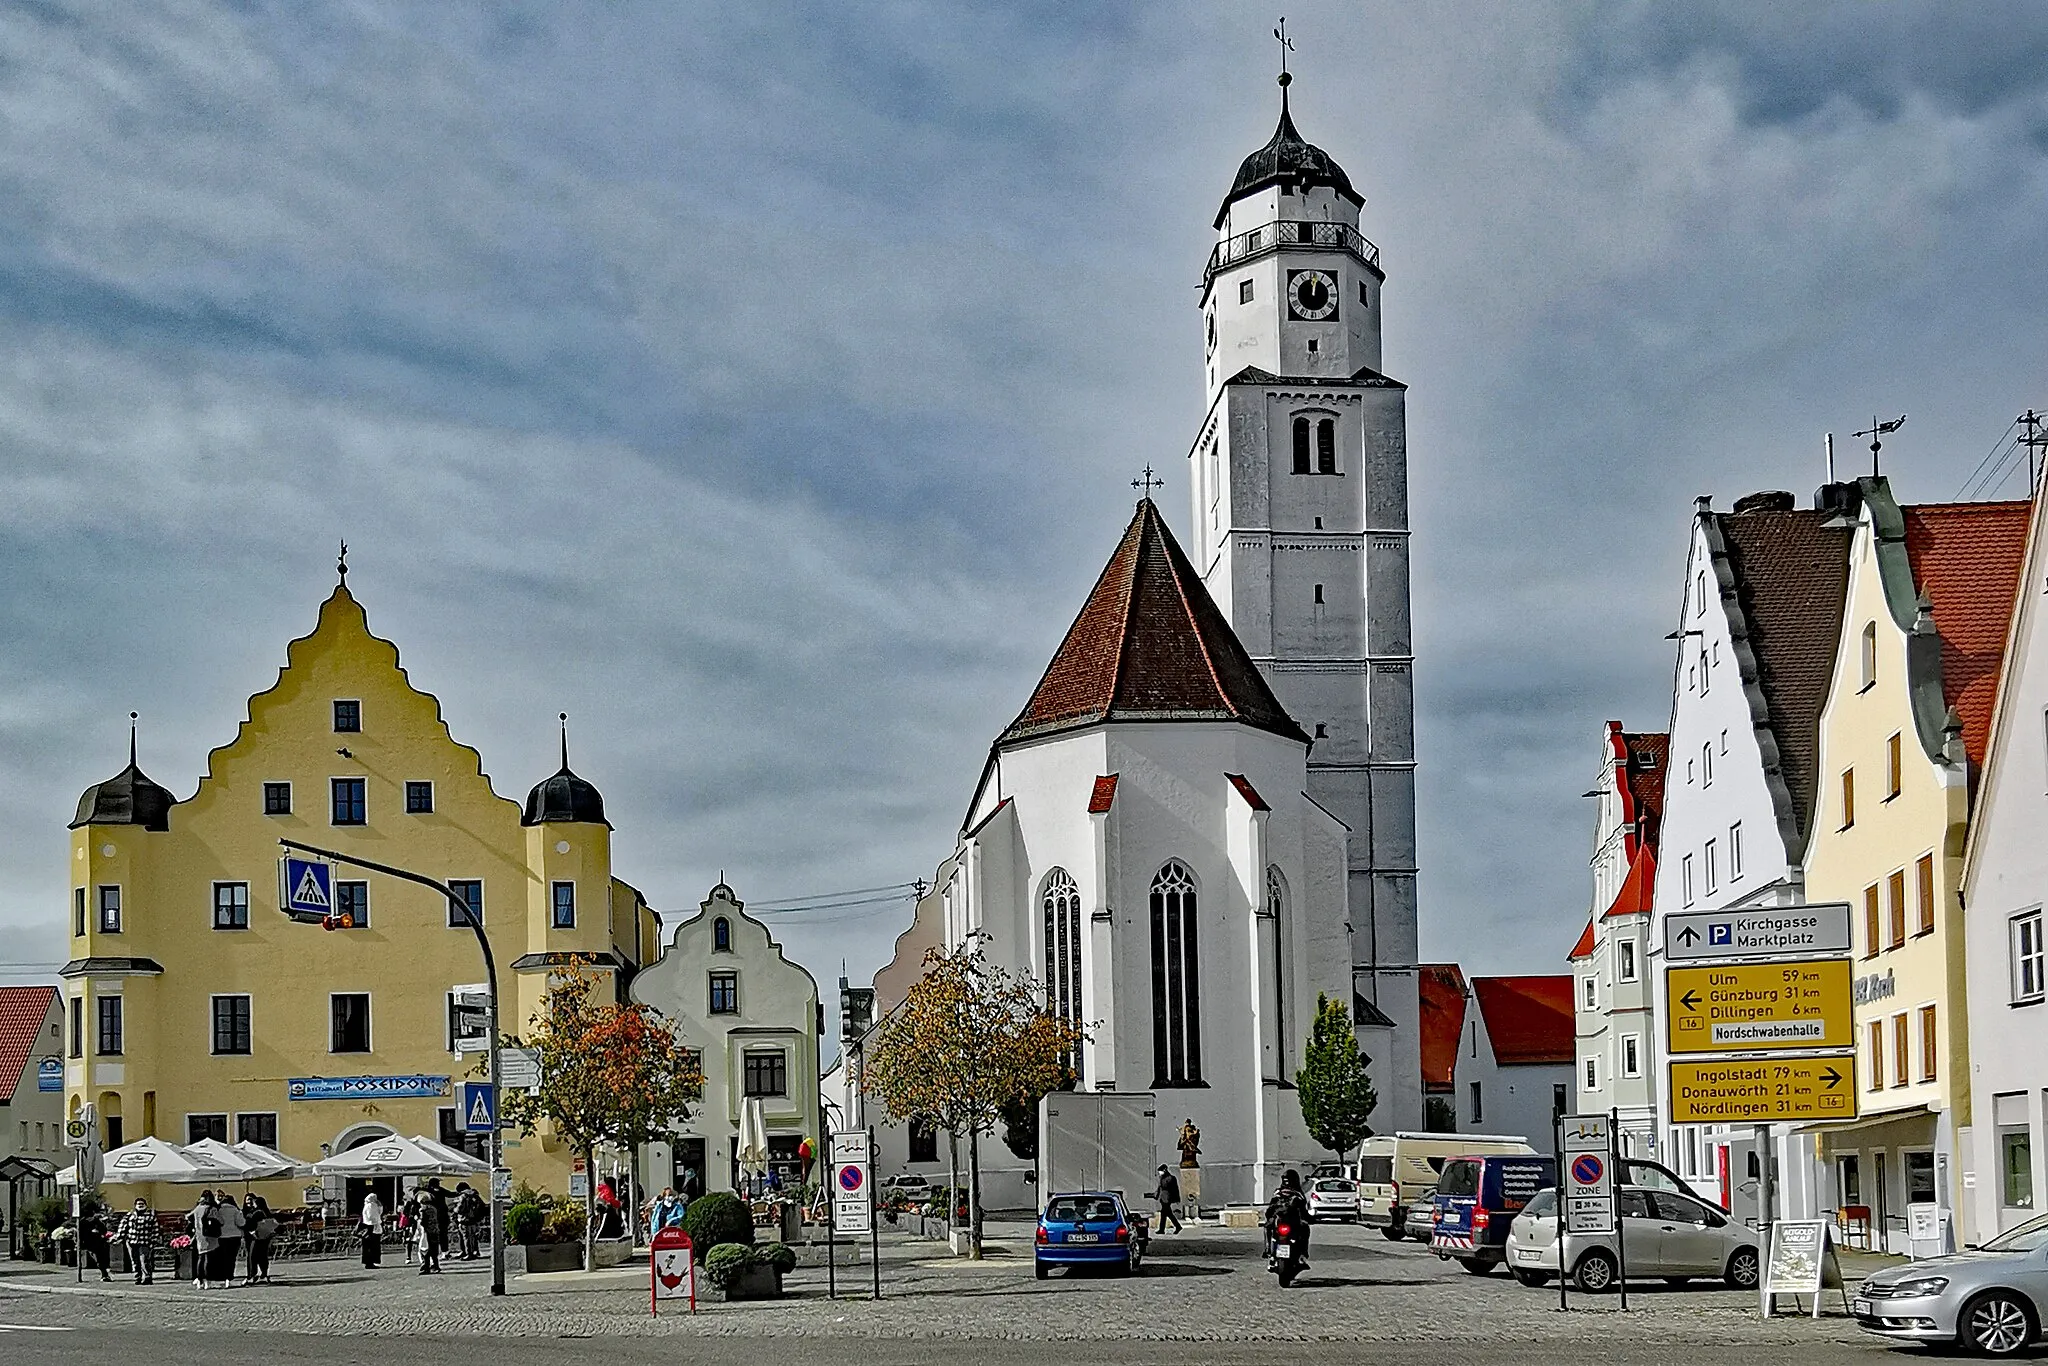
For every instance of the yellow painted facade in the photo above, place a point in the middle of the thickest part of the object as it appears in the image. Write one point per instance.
(1888, 832)
(172, 939)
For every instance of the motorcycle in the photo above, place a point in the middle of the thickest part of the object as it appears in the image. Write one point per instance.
(1286, 1260)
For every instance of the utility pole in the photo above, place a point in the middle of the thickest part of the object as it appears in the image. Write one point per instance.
(491, 1023)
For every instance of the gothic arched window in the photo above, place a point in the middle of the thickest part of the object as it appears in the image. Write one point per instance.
(1301, 460)
(1061, 904)
(721, 935)
(1326, 446)
(1276, 911)
(1176, 980)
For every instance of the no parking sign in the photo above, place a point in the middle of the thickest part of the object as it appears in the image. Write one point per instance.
(1586, 1143)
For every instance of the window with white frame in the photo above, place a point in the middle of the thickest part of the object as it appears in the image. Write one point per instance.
(1707, 764)
(2028, 959)
(1589, 993)
(1592, 1069)
(1711, 862)
(1735, 852)
(1685, 879)
(1631, 1055)
(1624, 960)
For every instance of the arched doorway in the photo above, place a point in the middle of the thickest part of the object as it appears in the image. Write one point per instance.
(354, 1188)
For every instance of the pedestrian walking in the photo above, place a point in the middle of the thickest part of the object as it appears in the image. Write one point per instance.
(443, 1223)
(372, 1220)
(93, 1240)
(139, 1233)
(409, 1222)
(261, 1227)
(470, 1216)
(232, 1231)
(668, 1211)
(428, 1237)
(1167, 1194)
(204, 1223)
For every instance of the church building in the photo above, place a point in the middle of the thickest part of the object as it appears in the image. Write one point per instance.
(1203, 817)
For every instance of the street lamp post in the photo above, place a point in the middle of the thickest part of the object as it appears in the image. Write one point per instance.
(491, 1018)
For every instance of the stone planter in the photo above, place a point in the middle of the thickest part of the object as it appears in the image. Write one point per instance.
(611, 1252)
(757, 1282)
(553, 1257)
(187, 1263)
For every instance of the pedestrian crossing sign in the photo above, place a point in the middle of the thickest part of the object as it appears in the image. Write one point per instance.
(306, 888)
(479, 1107)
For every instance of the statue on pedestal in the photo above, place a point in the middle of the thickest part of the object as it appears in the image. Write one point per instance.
(1190, 1144)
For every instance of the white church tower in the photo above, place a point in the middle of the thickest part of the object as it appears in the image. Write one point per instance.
(1300, 490)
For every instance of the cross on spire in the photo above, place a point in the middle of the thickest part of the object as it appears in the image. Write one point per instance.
(1286, 46)
(341, 564)
(1148, 483)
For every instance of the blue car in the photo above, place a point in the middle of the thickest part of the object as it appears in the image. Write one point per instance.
(1089, 1228)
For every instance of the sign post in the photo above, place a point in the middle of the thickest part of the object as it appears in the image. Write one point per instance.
(1748, 1007)
(671, 1262)
(479, 1107)
(1817, 931)
(1586, 1187)
(1785, 1089)
(853, 1197)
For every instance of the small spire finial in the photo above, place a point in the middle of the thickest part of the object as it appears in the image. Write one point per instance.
(1148, 483)
(565, 741)
(133, 717)
(341, 564)
(1286, 46)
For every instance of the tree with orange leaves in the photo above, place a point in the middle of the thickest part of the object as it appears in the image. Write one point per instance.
(610, 1072)
(969, 1040)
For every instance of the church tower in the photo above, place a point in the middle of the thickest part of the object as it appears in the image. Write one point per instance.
(1300, 490)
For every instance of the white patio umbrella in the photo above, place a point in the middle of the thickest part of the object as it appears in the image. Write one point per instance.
(282, 1164)
(152, 1159)
(459, 1162)
(261, 1164)
(753, 1136)
(396, 1156)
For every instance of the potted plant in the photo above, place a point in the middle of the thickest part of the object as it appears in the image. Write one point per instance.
(559, 1245)
(186, 1261)
(740, 1272)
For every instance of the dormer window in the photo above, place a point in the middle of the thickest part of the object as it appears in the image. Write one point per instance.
(721, 935)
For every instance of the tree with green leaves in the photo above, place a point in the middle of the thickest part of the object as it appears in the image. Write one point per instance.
(1336, 1093)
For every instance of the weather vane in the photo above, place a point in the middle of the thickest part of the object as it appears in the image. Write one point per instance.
(1286, 46)
(1148, 483)
(341, 564)
(1878, 429)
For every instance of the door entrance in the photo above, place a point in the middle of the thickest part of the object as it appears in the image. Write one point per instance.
(687, 1162)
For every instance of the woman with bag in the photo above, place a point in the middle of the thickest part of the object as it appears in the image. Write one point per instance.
(204, 1222)
(262, 1227)
(231, 1232)
(372, 1219)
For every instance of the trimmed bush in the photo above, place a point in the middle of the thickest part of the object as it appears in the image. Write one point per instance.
(522, 1223)
(563, 1224)
(717, 1219)
(778, 1255)
(726, 1261)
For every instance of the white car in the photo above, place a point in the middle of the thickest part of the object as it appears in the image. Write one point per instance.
(1332, 1197)
(1664, 1236)
(909, 1183)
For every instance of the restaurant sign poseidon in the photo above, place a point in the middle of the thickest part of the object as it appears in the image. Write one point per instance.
(368, 1088)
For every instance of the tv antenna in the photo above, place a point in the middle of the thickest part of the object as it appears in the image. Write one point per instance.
(2031, 423)
(1877, 430)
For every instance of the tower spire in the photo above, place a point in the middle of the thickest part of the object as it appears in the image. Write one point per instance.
(341, 564)
(565, 742)
(132, 718)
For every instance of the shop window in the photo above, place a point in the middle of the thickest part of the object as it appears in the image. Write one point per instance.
(2015, 1169)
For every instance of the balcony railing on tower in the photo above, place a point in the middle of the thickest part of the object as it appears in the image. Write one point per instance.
(1287, 232)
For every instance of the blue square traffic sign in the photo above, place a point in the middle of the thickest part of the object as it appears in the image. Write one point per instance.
(306, 887)
(479, 1101)
(1723, 933)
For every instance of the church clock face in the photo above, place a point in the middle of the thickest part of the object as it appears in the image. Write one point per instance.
(1311, 296)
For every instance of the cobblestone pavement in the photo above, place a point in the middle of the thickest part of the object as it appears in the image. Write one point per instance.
(1206, 1285)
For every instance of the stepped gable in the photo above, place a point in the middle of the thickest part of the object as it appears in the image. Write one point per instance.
(1150, 644)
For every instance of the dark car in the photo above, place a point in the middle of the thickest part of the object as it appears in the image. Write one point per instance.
(1089, 1228)
(1477, 1198)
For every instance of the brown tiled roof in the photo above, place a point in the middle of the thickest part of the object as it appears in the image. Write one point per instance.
(1647, 752)
(1792, 579)
(1440, 989)
(1967, 559)
(22, 1010)
(1528, 1019)
(1150, 645)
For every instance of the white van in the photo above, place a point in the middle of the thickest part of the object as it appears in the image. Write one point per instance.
(1397, 1171)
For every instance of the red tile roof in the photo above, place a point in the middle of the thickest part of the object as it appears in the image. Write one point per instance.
(22, 1011)
(1248, 792)
(1528, 1019)
(1966, 558)
(1104, 794)
(1150, 644)
(1645, 753)
(1440, 988)
(1584, 948)
(1638, 887)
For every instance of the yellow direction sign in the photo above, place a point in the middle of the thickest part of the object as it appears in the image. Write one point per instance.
(1755, 1007)
(1764, 1090)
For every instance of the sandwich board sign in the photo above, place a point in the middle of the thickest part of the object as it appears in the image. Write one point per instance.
(671, 1269)
(1802, 1262)
(1587, 1146)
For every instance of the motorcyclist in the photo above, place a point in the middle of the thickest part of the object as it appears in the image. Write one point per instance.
(1290, 1207)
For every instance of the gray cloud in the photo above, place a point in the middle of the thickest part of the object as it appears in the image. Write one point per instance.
(761, 384)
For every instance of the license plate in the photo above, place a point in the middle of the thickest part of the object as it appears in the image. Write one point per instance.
(1283, 1252)
(1860, 1307)
(1529, 1254)
(1084, 1237)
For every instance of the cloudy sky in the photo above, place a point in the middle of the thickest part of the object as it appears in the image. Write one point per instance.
(762, 383)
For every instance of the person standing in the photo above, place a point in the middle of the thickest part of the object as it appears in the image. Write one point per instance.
(668, 1210)
(470, 1215)
(139, 1234)
(93, 1240)
(409, 1222)
(444, 1224)
(204, 1223)
(431, 1232)
(372, 1220)
(261, 1226)
(1168, 1195)
(232, 1229)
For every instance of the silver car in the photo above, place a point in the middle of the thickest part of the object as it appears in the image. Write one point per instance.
(1992, 1299)
(1663, 1234)
(1332, 1197)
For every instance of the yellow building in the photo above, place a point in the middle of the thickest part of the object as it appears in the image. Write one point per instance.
(195, 1007)
(1902, 739)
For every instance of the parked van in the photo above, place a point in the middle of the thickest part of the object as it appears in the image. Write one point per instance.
(1477, 1198)
(1399, 1171)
